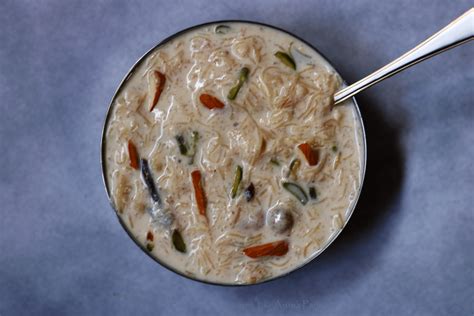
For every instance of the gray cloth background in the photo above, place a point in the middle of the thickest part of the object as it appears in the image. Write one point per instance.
(408, 249)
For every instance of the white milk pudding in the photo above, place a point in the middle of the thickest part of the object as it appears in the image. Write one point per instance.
(225, 158)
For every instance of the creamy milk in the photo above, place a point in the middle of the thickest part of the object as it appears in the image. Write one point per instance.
(277, 109)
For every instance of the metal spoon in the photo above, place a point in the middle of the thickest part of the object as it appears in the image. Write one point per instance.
(458, 32)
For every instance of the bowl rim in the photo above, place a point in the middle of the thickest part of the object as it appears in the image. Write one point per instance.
(104, 168)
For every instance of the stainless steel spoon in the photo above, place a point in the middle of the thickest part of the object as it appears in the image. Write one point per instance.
(458, 32)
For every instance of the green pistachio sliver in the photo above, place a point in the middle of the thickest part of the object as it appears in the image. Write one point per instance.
(222, 29)
(286, 59)
(233, 92)
(294, 165)
(244, 73)
(296, 191)
(237, 179)
(150, 246)
(178, 241)
(183, 149)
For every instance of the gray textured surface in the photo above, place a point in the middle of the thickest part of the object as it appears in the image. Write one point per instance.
(408, 249)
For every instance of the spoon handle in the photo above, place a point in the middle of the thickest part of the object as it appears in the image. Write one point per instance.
(456, 33)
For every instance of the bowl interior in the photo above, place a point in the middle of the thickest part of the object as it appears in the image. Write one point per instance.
(123, 84)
